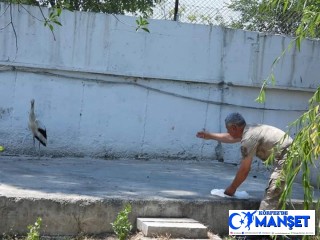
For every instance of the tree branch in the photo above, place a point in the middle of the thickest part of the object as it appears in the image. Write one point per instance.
(46, 20)
(4, 11)
(13, 28)
(31, 14)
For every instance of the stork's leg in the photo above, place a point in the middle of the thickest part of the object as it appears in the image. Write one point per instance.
(34, 142)
(39, 150)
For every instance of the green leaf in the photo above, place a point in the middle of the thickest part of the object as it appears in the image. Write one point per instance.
(262, 95)
(298, 42)
(285, 6)
(57, 22)
(59, 11)
(273, 80)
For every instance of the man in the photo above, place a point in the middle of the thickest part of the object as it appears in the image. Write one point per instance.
(256, 140)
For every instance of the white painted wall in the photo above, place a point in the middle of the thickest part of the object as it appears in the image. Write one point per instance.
(103, 89)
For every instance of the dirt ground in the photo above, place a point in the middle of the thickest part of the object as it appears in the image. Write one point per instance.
(140, 236)
(108, 236)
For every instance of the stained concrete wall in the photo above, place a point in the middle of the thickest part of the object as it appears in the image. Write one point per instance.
(105, 90)
(94, 217)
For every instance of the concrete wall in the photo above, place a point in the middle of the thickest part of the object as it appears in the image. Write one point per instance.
(103, 89)
(95, 216)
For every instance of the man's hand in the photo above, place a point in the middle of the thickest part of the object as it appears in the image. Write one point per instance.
(230, 191)
(203, 134)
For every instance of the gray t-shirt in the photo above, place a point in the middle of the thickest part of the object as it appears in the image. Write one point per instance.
(259, 140)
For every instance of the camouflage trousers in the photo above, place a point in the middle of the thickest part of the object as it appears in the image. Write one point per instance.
(275, 186)
(272, 195)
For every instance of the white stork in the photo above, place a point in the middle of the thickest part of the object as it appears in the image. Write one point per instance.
(37, 128)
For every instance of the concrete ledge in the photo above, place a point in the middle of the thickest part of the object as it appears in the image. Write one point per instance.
(61, 217)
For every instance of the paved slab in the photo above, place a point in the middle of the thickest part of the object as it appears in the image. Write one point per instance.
(87, 178)
(76, 195)
(173, 227)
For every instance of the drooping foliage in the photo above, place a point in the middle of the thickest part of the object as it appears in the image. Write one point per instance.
(277, 16)
(141, 7)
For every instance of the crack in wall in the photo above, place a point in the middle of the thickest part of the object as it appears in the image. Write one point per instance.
(144, 127)
(205, 122)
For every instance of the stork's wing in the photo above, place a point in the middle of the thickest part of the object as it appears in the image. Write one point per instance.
(40, 124)
(42, 129)
(43, 132)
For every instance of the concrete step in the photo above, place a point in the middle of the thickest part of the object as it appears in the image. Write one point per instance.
(172, 227)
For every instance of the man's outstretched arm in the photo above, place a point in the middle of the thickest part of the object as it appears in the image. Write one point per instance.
(221, 137)
(241, 175)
